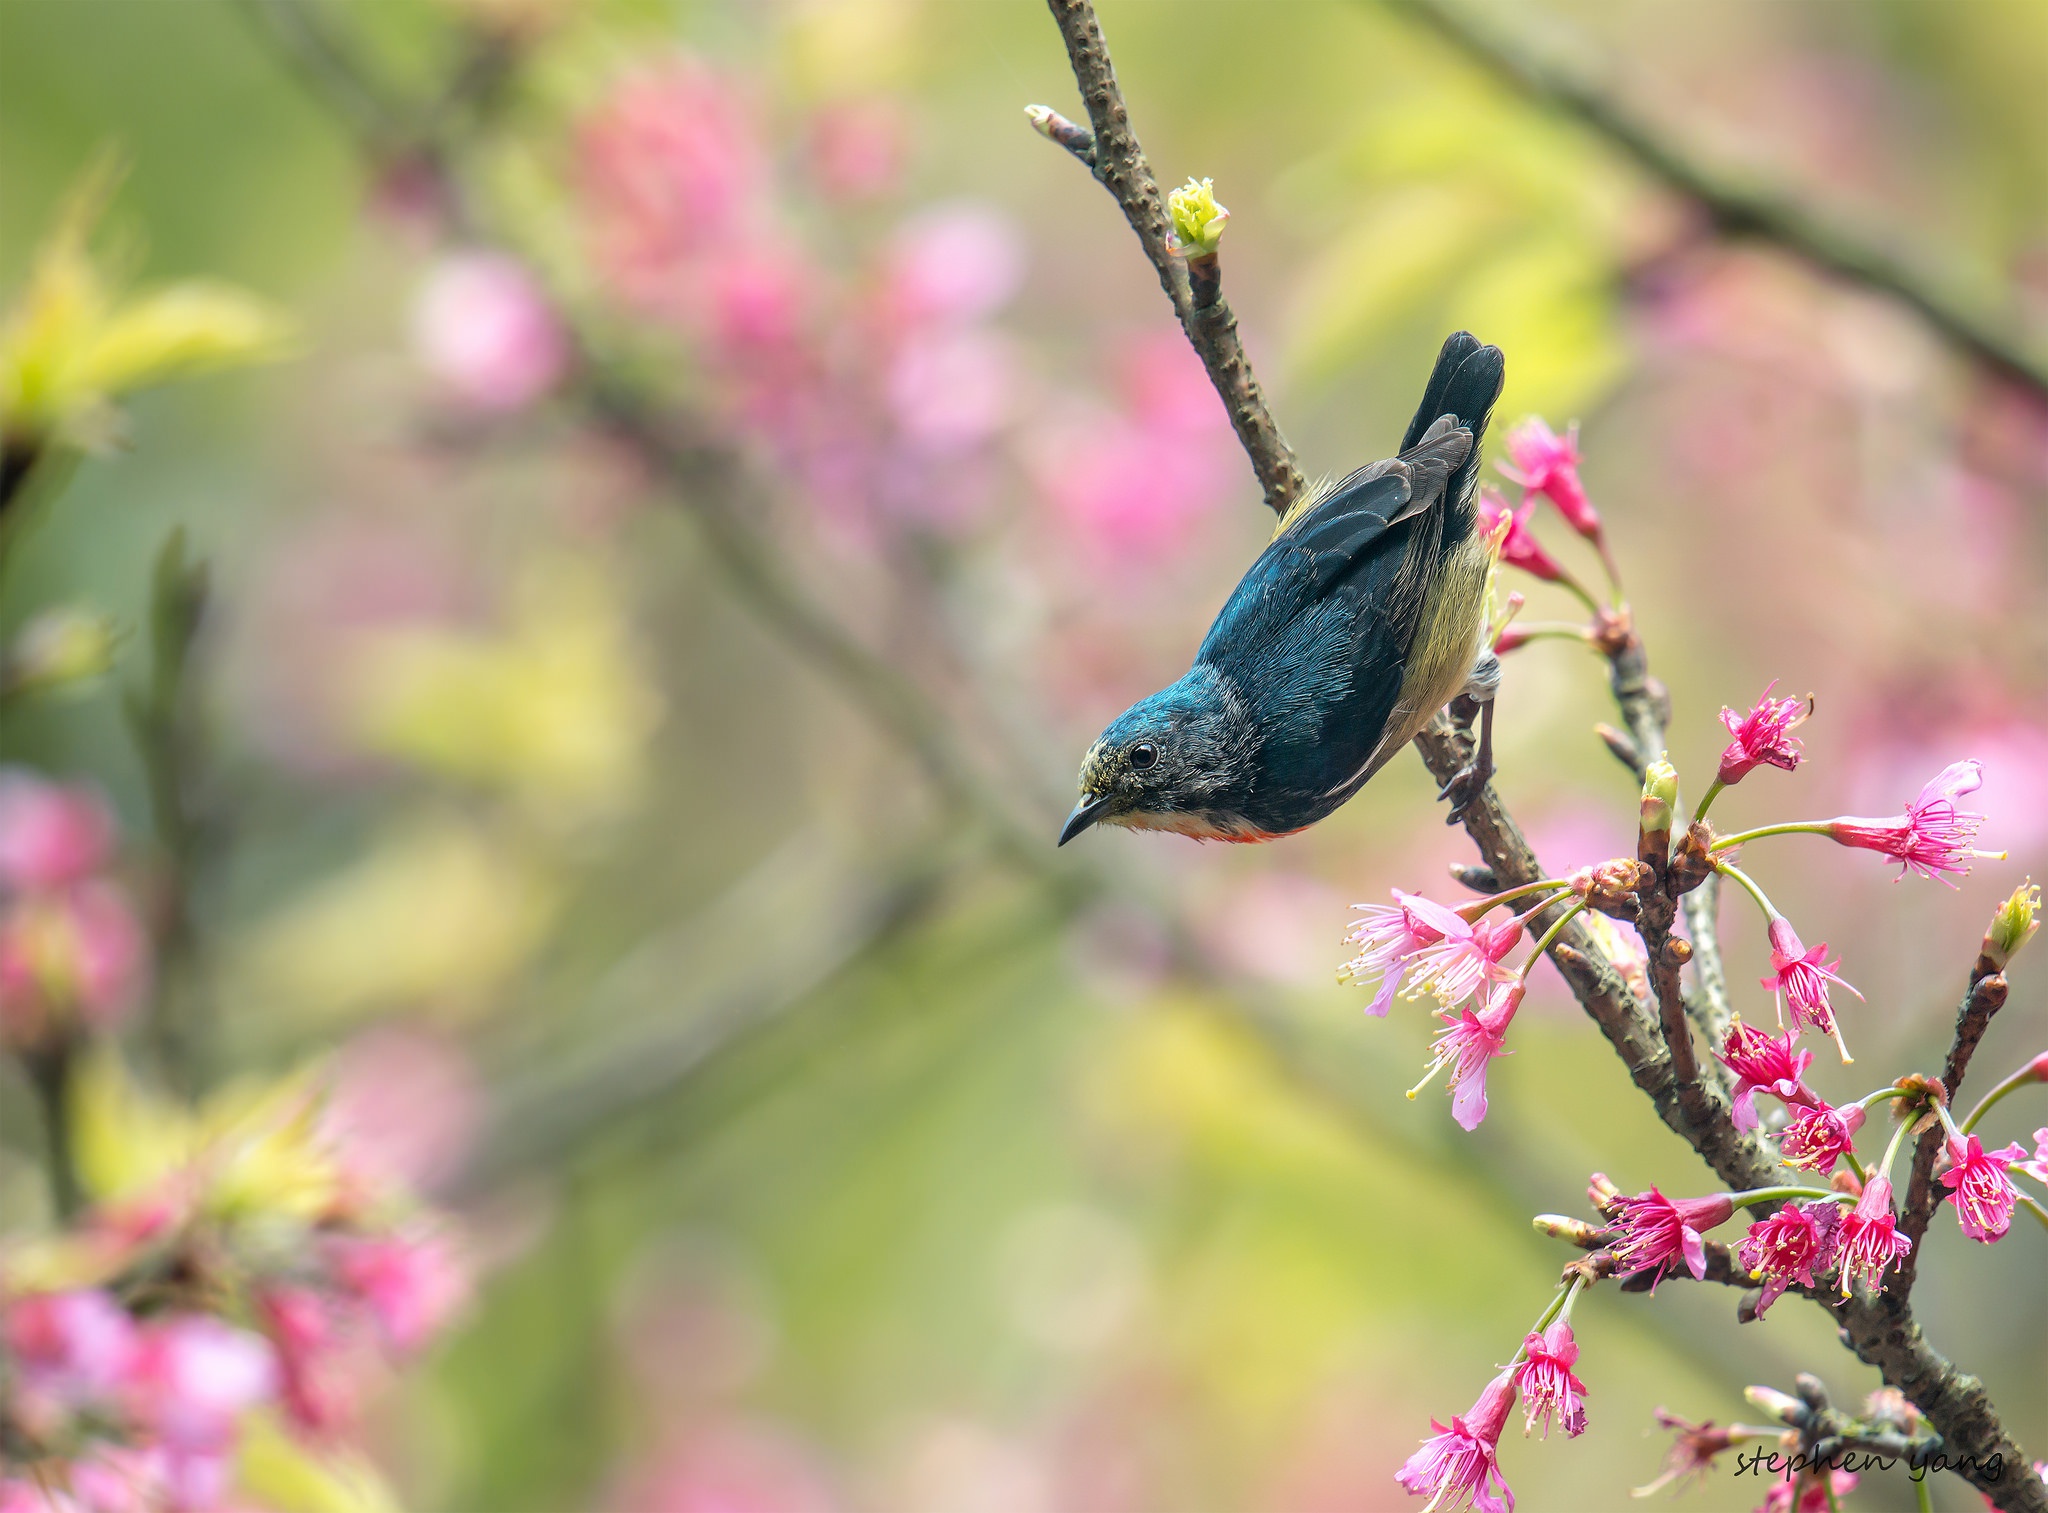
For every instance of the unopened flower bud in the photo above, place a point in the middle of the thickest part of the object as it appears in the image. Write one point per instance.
(1573, 1231)
(1660, 798)
(1053, 126)
(2013, 925)
(1601, 1192)
(59, 650)
(1781, 1406)
(1198, 221)
(1692, 860)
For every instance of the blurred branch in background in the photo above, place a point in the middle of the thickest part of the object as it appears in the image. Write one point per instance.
(1736, 205)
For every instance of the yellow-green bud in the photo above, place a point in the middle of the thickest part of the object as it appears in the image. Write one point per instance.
(61, 649)
(1198, 221)
(2013, 925)
(1660, 796)
(1782, 1406)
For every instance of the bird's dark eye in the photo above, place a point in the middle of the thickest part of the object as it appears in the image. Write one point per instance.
(1144, 755)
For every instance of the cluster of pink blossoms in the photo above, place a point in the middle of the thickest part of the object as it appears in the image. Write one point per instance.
(134, 1348)
(73, 955)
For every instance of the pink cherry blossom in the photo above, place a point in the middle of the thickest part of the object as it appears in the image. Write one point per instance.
(1792, 1245)
(1800, 978)
(1545, 463)
(1807, 1493)
(1655, 1232)
(1933, 837)
(1519, 547)
(483, 328)
(411, 1284)
(1468, 1045)
(1390, 936)
(1547, 1384)
(1870, 1238)
(1819, 1136)
(317, 1381)
(1465, 961)
(1763, 737)
(2037, 1168)
(1459, 1466)
(1982, 1193)
(50, 833)
(1691, 1456)
(1762, 1063)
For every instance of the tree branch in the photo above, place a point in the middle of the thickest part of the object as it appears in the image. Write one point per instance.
(1738, 207)
(1120, 163)
(1984, 997)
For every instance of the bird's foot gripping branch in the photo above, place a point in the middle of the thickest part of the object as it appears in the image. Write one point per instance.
(1836, 1198)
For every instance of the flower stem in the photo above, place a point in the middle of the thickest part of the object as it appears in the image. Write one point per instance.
(1550, 937)
(1706, 801)
(1856, 1166)
(1757, 1195)
(2017, 1080)
(1479, 907)
(1763, 902)
(1790, 827)
(1560, 1304)
(1923, 1500)
(2032, 1205)
(1879, 1096)
(1884, 1169)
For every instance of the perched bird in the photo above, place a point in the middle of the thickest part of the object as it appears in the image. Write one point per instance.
(1359, 621)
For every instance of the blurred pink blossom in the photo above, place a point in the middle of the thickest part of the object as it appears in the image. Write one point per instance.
(669, 165)
(730, 1468)
(317, 1379)
(404, 1107)
(76, 952)
(950, 390)
(50, 833)
(192, 1379)
(482, 326)
(411, 1284)
(70, 1350)
(855, 149)
(954, 263)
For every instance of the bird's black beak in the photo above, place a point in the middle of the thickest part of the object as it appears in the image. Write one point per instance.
(1086, 813)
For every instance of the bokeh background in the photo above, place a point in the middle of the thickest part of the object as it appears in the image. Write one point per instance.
(820, 1147)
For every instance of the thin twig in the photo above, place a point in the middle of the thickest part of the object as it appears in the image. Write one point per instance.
(1984, 997)
(1120, 163)
(1735, 206)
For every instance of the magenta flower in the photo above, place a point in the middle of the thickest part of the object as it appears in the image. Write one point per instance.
(1654, 1231)
(1800, 978)
(483, 328)
(1463, 962)
(1762, 1064)
(411, 1285)
(1870, 1238)
(1468, 1044)
(1692, 1452)
(1546, 463)
(51, 834)
(1545, 1380)
(1459, 1466)
(1763, 737)
(1807, 1493)
(192, 1379)
(1933, 836)
(2037, 1168)
(315, 1382)
(1790, 1246)
(1820, 1136)
(1519, 547)
(1981, 1191)
(1388, 939)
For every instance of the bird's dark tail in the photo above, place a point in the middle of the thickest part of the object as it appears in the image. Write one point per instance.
(1465, 383)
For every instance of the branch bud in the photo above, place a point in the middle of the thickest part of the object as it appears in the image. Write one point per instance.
(2013, 925)
(1572, 1231)
(1054, 127)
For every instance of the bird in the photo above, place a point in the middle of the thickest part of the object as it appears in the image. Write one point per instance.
(1363, 616)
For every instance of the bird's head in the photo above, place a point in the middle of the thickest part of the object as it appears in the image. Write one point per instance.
(1165, 762)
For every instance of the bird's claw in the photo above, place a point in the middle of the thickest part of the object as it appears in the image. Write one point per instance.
(1463, 788)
